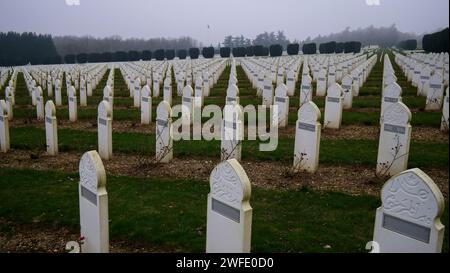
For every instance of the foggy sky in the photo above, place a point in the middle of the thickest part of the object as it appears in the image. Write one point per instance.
(174, 18)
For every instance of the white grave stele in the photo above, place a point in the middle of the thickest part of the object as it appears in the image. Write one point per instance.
(392, 95)
(232, 132)
(146, 105)
(229, 216)
(290, 82)
(93, 204)
(83, 93)
(198, 93)
(395, 137)
(409, 218)
(39, 103)
(333, 107)
(72, 104)
(306, 89)
(108, 96)
(445, 118)
(104, 124)
(164, 133)
(307, 138)
(281, 100)
(4, 127)
(167, 92)
(232, 94)
(267, 93)
(137, 93)
(347, 86)
(58, 98)
(435, 93)
(321, 83)
(51, 131)
(187, 105)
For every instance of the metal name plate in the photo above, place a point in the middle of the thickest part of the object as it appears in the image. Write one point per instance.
(331, 99)
(267, 87)
(106, 99)
(161, 122)
(321, 79)
(72, 99)
(88, 195)
(290, 79)
(166, 88)
(231, 99)
(38, 98)
(306, 126)
(102, 121)
(305, 87)
(278, 99)
(388, 99)
(394, 129)
(48, 120)
(225, 210)
(406, 228)
(331, 74)
(186, 99)
(424, 77)
(144, 99)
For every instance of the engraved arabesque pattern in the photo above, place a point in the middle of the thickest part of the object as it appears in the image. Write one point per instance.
(226, 185)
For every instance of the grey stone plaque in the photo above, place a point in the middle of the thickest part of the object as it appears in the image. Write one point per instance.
(72, 99)
(406, 228)
(225, 210)
(186, 99)
(435, 86)
(394, 129)
(231, 99)
(331, 99)
(161, 122)
(267, 87)
(88, 195)
(102, 121)
(388, 99)
(48, 120)
(279, 99)
(306, 126)
(145, 99)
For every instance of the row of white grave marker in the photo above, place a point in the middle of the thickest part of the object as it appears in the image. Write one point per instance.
(407, 221)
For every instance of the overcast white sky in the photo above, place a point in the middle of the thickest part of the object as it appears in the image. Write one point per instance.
(173, 18)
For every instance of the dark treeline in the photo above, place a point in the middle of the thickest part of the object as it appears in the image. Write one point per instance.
(436, 42)
(408, 44)
(21, 49)
(66, 45)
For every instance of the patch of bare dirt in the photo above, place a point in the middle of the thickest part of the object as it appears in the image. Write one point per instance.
(419, 133)
(15, 238)
(354, 180)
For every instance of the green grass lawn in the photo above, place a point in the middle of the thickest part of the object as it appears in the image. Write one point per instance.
(172, 214)
(340, 151)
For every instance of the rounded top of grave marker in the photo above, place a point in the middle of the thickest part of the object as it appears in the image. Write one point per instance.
(309, 113)
(146, 91)
(281, 90)
(393, 90)
(334, 90)
(167, 81)
(306, 79)
(232, 91)
(92, 172)
(104, 109)
(3, 110)
(72, 92)
(163, 111)
(397, 113)
(436, 79)
(347, 80)
(107, 91)
(50, 109)
(187, 91)
(230, 184)
(413, 196)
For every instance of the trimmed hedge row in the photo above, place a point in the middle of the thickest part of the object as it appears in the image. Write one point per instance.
(436, 42)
